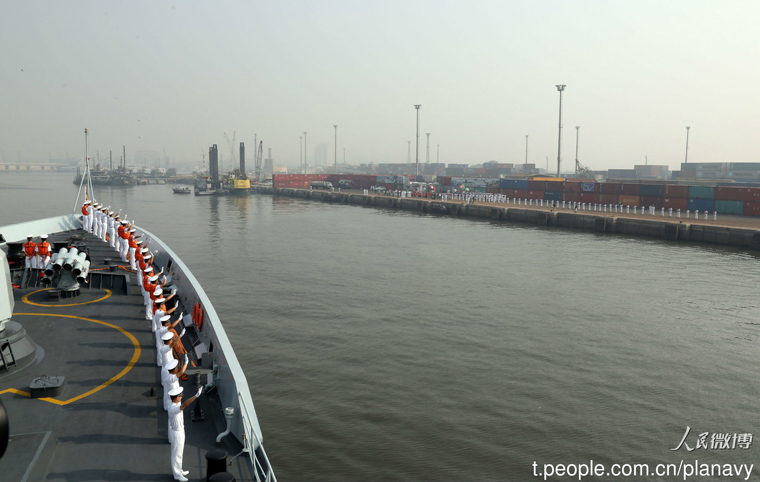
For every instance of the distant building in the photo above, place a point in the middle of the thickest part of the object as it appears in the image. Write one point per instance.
(320, 154)
(268, 168)
(734, 171)
(640, 172)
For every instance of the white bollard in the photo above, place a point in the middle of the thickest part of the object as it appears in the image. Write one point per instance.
(663, 212)
(670, 210)
(715, 215)
(628, 209)
(542, 203)
(696, 214)
(687, 214)
(514, 200)
(634, 209)
(705, 215)
(563, 204)
(583, 206)
(679, 213)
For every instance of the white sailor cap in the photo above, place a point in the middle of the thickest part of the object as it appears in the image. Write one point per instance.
(148, 269)
(139, 241)
(175, 391)
(148, 255)
(124, 221)
(172, 364)
(160, 300)
(30, 236)
(165, 318)
(158, 291)
(111, 214)
(96, 205)
(88, 202)
(144, 250)
(44, 236)
(132, 230)
(153, 278)
(167, 336)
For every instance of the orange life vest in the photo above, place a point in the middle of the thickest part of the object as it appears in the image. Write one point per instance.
(84, 210)
(43, 248)
(29, 249)
(132, 242)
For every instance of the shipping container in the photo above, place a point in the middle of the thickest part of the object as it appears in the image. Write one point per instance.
(507, 183)
(571, 197)
(521, 194)
(745, 166)
(507, 192)
(656, 190)
(589, 197)
(492, 190)
(537, 185)
(521, 184)
(479, 189)
(655, 201)
(610, 188)
(445, 180)
(630, 189)
(752, 208)
(725, 193)
(673, 190)
(572, 186)
(590, 187)
(553, 195)
(699, 204)
(701, 192)
(675, 203)
(608, 198)
(729, 207)
(556, 186)
(535, 194)
(627, 200)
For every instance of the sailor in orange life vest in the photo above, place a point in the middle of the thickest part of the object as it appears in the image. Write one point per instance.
(43, 251)
(119, 232)
(30, 253)
(132, 243)
(177, 430)
(86, 215)
(124, 240)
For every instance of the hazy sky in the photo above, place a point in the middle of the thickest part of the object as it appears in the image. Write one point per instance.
(178, 75)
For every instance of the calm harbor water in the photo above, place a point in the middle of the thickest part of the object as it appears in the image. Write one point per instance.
(384, 345)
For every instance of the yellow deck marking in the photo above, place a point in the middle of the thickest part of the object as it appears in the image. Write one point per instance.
(135, 357)
(17, 392)
(25, 299)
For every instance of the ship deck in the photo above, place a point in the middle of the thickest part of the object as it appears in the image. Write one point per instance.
(106, 425)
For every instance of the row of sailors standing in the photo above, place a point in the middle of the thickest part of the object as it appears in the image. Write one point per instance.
(36, 255)
(120, 234)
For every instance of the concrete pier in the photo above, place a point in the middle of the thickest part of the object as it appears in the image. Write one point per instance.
(731, 233)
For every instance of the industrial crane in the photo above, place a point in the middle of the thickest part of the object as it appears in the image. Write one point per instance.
(583, 171)
(232, 147)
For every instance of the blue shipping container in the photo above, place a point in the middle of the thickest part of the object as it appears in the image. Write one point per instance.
(588, 186)
(507, 184)
(553, 195)
(729, 207)
(701, 192)
(521, 184)
(701, 205)
(656, 190)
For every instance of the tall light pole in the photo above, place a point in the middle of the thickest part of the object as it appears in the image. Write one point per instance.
(417, 144)
(686, 161)
(409, 153)
(300, 154)
(336, 148)
(560, 88)
(305, 162)
(577, 131)
(526, 149)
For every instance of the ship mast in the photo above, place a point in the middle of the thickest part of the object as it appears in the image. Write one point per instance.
(86, 174)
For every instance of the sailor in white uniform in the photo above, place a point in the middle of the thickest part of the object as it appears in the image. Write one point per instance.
(165, 354)
(170, 375)
(177, 430)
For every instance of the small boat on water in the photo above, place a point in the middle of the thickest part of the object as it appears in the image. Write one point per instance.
(181, 190)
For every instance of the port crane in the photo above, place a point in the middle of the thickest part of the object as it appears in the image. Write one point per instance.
(231, 144)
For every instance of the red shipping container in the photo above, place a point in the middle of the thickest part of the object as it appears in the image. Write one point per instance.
(752, 209)
(630, 189)
(555, 185)
(655, 201)
(571, 197)
(627, 200)
(571, 186)
(445, 180)
(610, 188)
(537, 186)
(589, 197)
(521, 194)
(724, 193)
(608, 198)
(675, 203)
(492, 190)
(535, 194)
(752, 194)
(672, 190)
(508, 192)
